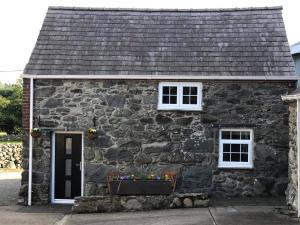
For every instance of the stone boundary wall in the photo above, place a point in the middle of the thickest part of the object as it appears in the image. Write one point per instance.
(11, 155)
(291, 191)
(108, 203)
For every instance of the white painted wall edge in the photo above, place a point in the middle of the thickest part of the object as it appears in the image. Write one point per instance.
(290, 97)
(159, 77)
(30, 143)
(298, 155)
(297, 97)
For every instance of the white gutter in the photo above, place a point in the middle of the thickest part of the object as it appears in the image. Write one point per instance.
(30, 143)
(160, 77)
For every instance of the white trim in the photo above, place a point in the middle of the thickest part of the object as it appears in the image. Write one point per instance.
(180, 106)
(236, 165)
(30, 144)
(160, 77)
(298, 154)
(65, 201)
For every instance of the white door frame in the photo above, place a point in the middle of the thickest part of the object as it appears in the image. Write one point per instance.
(65, 201)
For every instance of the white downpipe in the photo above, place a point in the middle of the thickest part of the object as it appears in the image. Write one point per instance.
(298, 155)
(30, 143)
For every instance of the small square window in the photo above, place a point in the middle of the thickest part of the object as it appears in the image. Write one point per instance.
(180, 96)
(235, 149)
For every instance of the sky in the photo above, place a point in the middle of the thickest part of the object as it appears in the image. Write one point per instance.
(21, 21)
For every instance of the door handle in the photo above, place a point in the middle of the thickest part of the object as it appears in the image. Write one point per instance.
(79, 164)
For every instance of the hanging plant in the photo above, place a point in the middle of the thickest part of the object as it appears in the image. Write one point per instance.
(35, 133)
(92, 133)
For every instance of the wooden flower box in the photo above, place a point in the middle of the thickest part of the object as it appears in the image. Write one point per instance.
(140, 187)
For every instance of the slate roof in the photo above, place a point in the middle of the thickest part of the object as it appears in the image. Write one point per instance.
(230, 42)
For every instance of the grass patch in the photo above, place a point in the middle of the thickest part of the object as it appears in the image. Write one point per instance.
(3, 134)
(11, 142)
(8, 170)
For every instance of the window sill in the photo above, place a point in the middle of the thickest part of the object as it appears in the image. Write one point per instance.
(178, 109)
(248, 167)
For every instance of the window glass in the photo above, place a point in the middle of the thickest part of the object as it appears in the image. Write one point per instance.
(245, 135)
(226, 134)
(68, 146)
(169, 95)
(189, 95)
(236, 135)
(235, 147)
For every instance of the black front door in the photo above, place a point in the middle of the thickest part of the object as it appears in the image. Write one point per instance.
(67, 165)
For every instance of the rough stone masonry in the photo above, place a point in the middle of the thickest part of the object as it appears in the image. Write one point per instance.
(10, 155)
(134, 137)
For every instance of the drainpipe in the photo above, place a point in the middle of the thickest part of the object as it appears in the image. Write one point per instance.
(30, 143)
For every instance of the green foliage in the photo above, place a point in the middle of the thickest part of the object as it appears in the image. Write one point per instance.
(11, 108)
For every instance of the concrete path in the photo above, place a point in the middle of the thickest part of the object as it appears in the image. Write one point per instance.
(241, 215)
(34, 215)
(9, 187)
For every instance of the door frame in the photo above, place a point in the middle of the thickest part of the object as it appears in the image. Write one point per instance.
(65, 201)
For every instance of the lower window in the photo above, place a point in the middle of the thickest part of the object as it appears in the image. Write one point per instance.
(236, 148)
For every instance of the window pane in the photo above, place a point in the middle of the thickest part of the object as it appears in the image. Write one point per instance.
(193, 90)
(173, 99)
(244, 148)
(68, 167)
(226, 148)
(166, 91)
(244, 158)
(236, 135)
(173, 90)
(235, 157)
(225, 134)
(186, 90)
(165, 100)
(194, 100)
(68, 189)
(245, 135)
(226, 157)
(235, 147)
(185, 100)
(68, 146)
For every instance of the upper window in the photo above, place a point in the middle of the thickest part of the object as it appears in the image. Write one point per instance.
(180, 96)
(235, 148)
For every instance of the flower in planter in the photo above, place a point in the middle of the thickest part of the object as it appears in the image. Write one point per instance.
(35, 132)
(92, 133)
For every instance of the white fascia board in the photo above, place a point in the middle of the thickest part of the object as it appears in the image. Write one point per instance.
(295, 49)
(159, 77)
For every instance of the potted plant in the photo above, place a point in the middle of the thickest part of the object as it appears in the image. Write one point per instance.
(92, 133)
(141, 185)
(35, 132)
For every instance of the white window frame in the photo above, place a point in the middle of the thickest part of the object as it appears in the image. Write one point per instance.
(180, 105)
(236, 165)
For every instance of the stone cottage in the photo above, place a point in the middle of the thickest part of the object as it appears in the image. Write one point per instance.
(197, 92)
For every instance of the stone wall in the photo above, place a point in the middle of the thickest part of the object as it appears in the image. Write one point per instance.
(10, 156)
(291, 191)
(134, 137)
(108, 203)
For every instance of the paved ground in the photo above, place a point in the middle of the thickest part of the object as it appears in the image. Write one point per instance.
(230, 212)
(9, 187)
(228, 215)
